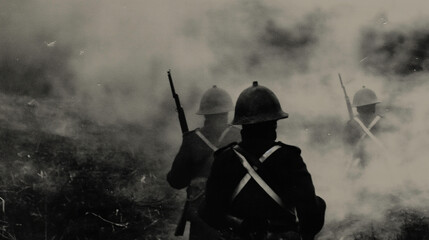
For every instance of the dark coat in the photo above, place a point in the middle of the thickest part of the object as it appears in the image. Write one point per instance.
(353, 132)
(359, 144)
(195, 157)
(284, 171)
(191, 168)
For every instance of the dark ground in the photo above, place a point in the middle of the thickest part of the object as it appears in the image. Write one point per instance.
(93, 181)
(93, 184)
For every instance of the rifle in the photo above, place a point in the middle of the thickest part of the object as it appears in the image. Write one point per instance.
(180, 112)
(181, 225)
(349, 105)
(180, 229)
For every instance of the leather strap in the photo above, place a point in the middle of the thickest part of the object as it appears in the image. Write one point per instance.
(368, 132)
(222, 136)
(253, 174)
(213, 147)
(247, 177)
(370, 126)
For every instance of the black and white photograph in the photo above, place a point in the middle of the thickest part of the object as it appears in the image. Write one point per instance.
(214, 120)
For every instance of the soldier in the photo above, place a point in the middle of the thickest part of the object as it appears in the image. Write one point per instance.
(192, 163)
(360, 133)
(260, 188)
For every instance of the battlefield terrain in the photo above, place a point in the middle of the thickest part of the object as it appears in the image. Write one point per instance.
(91, 181)
(88, 128)
(91, 184)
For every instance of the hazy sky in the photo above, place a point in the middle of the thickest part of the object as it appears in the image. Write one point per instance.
(117, 53)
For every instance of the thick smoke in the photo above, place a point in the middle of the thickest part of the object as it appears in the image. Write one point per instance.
(109, 59)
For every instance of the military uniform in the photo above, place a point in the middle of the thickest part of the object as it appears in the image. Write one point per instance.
(361, 133)
(284, 171)
(192, 164)
(195, 156)
(357, 140)
(260, 188)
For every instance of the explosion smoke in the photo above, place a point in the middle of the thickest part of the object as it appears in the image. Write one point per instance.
(109, 61)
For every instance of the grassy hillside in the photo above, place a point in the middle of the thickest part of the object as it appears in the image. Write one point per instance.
(86, 181)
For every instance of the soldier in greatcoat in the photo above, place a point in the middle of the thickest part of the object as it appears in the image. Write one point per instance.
(260, 188)
(361, 134)
(192, 163)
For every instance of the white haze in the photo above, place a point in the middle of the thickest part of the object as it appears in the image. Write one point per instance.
(121, 51)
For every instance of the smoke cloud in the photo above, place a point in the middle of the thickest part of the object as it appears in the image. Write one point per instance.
(109, 59)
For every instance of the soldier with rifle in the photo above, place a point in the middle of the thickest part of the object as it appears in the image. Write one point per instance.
(361, 133)
(260, 188)
(192, 163)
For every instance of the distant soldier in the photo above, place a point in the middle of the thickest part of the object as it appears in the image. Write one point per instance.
(260, 188)
(192, 164)
(361, 133)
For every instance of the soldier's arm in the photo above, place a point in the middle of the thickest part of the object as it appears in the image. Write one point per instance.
(351, 133)
(215, 209)
(310, 209)
(180, 173)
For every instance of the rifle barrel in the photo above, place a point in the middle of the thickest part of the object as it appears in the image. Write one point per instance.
(349, 105)
(180, 112)
(173, 91)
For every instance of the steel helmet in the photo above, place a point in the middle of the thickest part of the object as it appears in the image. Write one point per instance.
(364, 96)
(257, 104)
(214, 101)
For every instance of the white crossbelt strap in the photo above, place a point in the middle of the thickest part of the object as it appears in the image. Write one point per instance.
(222, 136)
(366, 130)
(247, 177)
(213, 147)
(240, 186)
(370, 126)
(259, 180)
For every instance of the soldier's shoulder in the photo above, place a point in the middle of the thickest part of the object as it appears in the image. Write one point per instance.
(352, 123)
(289, 148)
(235, 127)
(388, 123)
(190, 137)
(354, 120)
(225, 149)
(233, 130)
(190, 133)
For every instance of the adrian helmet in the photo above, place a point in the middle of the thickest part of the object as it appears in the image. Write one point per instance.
(364, 96)
(214, 101)
(257, 104)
